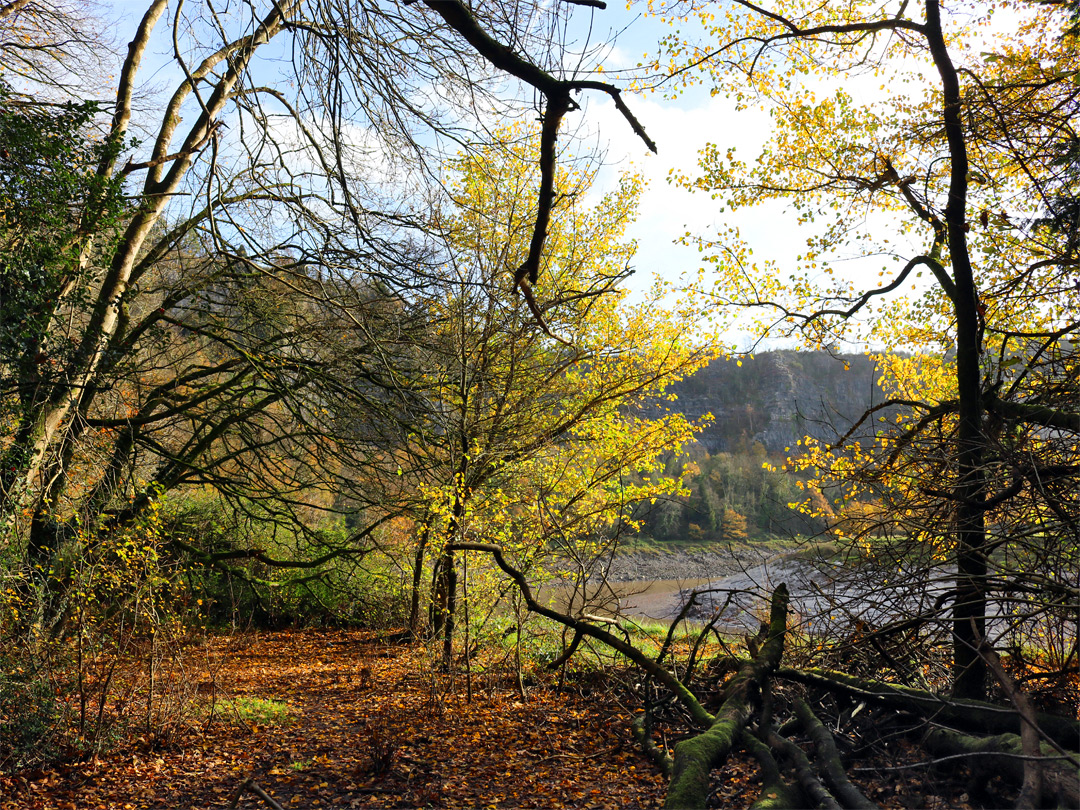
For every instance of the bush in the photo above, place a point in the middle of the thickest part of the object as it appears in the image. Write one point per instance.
(29, 719)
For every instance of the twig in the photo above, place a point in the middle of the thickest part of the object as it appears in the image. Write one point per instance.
(253, 786)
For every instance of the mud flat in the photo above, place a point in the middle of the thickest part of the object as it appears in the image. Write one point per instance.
(642, 566)
(665, 581)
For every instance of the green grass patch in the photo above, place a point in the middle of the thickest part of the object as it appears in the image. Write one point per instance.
(261, 711)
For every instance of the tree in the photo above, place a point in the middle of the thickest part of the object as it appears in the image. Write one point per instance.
(538, 441)
(189, 334)
(960, 151)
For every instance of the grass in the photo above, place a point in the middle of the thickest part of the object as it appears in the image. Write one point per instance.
(260, 711)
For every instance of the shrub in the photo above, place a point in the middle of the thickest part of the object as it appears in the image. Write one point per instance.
(29, 718)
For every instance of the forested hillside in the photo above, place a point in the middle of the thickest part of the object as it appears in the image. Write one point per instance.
(763, 408)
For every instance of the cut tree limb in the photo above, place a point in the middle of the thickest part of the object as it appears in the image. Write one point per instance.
(828, 759)
(695, 757)
(804, 772)
(972, 715)
(776, 794)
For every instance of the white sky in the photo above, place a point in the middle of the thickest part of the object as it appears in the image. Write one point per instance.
(681, 127)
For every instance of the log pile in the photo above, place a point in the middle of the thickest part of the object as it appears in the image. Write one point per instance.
(802, 766)
(800, 762)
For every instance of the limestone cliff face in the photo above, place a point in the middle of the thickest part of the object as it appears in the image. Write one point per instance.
(776, 398)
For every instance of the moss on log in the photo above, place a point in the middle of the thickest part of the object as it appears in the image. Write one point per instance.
(811, 786)
(1004, 754)
(695, 757)
(973, 715)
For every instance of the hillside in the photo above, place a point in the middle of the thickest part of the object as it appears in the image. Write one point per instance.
(776, 398)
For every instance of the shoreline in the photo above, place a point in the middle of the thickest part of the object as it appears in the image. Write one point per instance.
(684, 563)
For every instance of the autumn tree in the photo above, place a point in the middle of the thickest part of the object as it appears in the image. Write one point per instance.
(539, 441)
(941, 151)
(204, 329)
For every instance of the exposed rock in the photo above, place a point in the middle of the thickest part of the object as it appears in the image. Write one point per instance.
(777, 398)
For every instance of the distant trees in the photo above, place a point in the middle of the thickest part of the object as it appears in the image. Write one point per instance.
(731, 497)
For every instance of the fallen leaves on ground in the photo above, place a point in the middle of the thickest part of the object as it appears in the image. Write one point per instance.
(372, 726)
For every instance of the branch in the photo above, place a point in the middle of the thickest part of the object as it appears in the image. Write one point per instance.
(620, 105)
(971, 714)
(183, 153)
(864, 299)
(793, 30)
(681, 693)
(697, 756)
(828, 759)
(253, 786)
(556, 93)
(1035, 414)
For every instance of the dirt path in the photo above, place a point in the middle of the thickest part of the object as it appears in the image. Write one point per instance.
(371, 731)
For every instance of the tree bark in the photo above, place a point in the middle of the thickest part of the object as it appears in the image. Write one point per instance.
(828, 759)
(776, 794)
(969, 605)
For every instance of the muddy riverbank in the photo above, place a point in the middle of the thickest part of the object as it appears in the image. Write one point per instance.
(655, 585)
(646, 566)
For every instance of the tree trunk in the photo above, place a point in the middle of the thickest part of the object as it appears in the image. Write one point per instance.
(418, 575)
(969, 607)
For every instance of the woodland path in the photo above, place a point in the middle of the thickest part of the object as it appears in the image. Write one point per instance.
(369, 730)
(372, 729)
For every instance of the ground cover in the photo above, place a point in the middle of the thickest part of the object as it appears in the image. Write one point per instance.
(367, 726)
(344, 719)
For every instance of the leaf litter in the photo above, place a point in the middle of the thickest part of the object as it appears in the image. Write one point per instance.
(369, 725)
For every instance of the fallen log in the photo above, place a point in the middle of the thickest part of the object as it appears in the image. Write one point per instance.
(1004, 754)
(776, 794)
(811, 786)
(696, 756)
(971, 715)
(828, 759)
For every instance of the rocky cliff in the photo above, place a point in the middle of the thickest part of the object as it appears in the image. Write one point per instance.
(776, 398)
